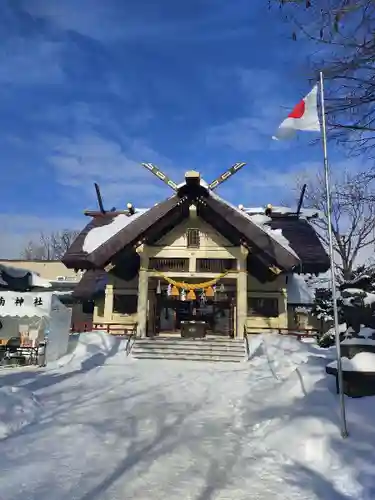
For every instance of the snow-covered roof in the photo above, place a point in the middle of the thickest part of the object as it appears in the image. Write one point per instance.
(290, 241)
(298, 291)
(304, 212)
(99, 235)
(9, 274)
(261, 220)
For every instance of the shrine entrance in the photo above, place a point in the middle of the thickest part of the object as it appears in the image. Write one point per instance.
(218, 314)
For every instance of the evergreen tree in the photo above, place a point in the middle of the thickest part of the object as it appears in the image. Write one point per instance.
(323, 310)
(323, 305)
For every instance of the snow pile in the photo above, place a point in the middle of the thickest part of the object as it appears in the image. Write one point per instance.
(364, 337)
(352, 297)
(90, 345)
(361, 362)
(277, 355)
(314, 456)
(369, 300)
(307, 213)
(331, 332)
(18, 407)
(355, 296)
(261, 219)
(366, 332)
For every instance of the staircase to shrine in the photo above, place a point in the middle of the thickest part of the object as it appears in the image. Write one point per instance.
(206, 349)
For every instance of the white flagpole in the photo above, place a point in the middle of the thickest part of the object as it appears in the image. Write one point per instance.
(344, 430)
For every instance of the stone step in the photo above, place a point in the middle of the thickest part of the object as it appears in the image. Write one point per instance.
(178, 354)
(226, 350)
(208, 338)
(191, 349)
(190, 357)
(199, 342)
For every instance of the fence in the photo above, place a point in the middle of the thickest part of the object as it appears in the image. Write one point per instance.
(110, 328)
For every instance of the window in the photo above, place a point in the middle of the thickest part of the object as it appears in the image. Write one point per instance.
(192, 236)
(266, 307)
(216, 265)
(125, 304)
(169, 264)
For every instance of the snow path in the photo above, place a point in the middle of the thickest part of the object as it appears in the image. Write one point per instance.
(170, 430)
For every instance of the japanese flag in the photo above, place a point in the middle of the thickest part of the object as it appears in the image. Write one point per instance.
(304, 117)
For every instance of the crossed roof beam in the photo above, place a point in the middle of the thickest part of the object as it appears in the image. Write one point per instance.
(213, 185)
(164, 178)
(236, 167)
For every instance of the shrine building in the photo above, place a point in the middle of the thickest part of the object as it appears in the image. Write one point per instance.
(194, 256)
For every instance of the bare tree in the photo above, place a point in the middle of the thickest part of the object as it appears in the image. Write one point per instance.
(49, 246)
(353, 216)
(342, 40)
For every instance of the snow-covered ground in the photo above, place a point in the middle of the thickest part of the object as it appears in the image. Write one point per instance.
(99, 425)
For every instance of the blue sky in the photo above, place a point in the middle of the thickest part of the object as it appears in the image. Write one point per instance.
(89, 89)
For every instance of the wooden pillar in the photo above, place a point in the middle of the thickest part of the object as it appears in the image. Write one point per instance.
(108, 303)
(241, 292)
(151, 312)
(142, 308)
(192, 264)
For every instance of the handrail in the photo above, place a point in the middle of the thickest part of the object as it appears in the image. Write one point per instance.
(246, 342)
(286, 331)
(112, 328)
(128, 346)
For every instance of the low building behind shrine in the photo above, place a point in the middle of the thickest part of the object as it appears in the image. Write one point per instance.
(195, 256)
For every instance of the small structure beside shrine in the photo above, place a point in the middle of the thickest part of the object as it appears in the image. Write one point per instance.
(57, 278)
(194, 259)
(34, 324)
(32, 319)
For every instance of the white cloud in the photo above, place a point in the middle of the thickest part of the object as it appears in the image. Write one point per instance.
(241, 134)
(79, 161)
(88, 157)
